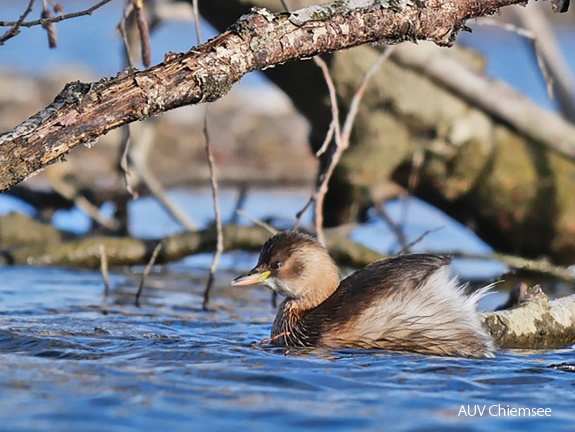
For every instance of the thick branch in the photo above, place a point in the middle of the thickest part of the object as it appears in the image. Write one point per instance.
(83, 112)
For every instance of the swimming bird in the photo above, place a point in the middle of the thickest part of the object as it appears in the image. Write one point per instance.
(406, 303)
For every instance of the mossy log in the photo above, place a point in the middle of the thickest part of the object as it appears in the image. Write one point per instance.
(35, 243)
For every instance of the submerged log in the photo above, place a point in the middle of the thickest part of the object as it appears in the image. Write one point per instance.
(536, 323)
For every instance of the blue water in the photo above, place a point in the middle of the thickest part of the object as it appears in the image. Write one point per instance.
(71, 361)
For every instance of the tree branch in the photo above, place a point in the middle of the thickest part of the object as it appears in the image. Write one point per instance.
(83, 112)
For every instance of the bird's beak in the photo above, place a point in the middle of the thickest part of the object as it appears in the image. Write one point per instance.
(252, 277)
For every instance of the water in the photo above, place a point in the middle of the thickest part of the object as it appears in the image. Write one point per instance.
(72, 360)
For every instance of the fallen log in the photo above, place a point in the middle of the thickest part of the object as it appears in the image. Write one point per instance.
(536, 323)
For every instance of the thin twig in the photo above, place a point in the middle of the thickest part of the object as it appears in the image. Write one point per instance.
(126, 132)
(536, 20)
(139, 163)
(146, 271)
(124, 160)
(257, 222)
(197, 21)
(104, 269)
(220, 232)
(327, 140)
(324, 177)
(10, 33)
(272, 339)
(214, 186)
(50, 27)
(56, 19)
(144, 32)
(541, 266)
(240, 201)
(418, 158)
(418, 239)
(355, 101)
(532, 38)
(300, 213)
(124, 34)
(341, 136)
(397, 229)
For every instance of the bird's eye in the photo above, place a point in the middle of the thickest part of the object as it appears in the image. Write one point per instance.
(276, 265)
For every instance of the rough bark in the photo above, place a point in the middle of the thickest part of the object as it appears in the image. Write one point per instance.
(84, 111)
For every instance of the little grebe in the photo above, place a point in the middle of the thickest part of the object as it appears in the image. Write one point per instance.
(406, 303)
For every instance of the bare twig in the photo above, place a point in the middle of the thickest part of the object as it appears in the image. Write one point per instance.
(125, 160)
(341, 135)
(214, 186)
(15, 29)
(56, 19)
(549, 53)
(71, 193)
(145, 138)
(218, 216)
(408, 246)
(354, 105)
(327, 140)
(104, 269)
(50, 27)
(418, 158)
(257, 222)
(144, 32)
(542, 266)
(270, 340)
(395, 227)
(300, 213)
(197, 21)
(240, 201)
(533, 40)
(324, 177)
(124, 34)
(139, 163)
(126, 132)
(146, 271)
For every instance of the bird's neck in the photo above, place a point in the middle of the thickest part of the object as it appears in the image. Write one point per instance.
(318, 282)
